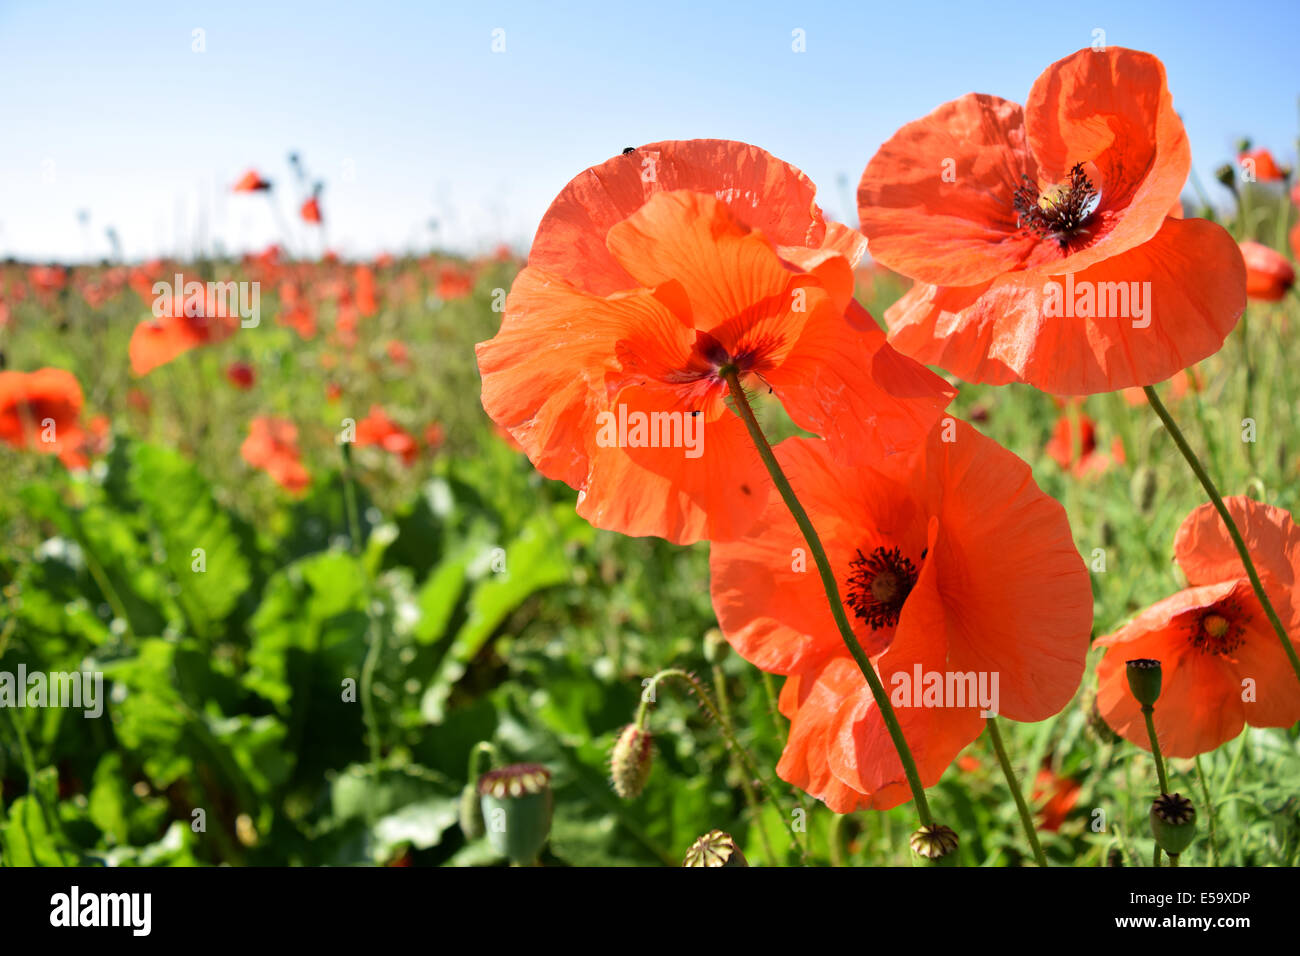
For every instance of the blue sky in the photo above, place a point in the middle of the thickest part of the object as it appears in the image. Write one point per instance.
(408, 115)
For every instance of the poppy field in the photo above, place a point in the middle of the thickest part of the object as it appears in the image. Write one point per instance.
(706, 530)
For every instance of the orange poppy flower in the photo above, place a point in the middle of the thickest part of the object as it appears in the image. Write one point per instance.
(378, 429)
(648, 274)
(1222, 665)
(1040, 236)
(367, 302)
(957, 572)
(311, 210)
(41, 411)
(1081, 457)
(1265, 166)
(157, 341)
(1058, 795)
(251, 182)
(272, 445)
(1269, 276)
(295, 312)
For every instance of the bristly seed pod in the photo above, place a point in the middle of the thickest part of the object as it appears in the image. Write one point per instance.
(471, 812)
(516, 802)
(1097, 725)
(630, 761)
(715, 848)
(1173, 822)
(936, 844)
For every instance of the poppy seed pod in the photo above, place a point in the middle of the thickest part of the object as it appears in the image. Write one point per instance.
(1144, 680)
(1173, 822)
(517, 803)
(715, 848)
(630, 761)
(936, 844)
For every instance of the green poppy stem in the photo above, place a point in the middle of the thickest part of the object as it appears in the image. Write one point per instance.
(732, 378)
(1217, 500)
(1026, 818)
(1148, 713)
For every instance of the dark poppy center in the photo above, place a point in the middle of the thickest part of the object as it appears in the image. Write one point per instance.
(1062, 213)
(878, 584)
(1220, 630)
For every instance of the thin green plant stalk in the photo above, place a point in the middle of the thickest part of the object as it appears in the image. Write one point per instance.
(746, 784)
(728, 734)
(1217, 500)
(741, 403)
(1209, 811)
(1026, 818)
(1148, 715)
(373, 642)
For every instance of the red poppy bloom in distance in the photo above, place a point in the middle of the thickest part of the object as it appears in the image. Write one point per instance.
(1040, 236)
(190, 322)
(648, 274)
(951, 562)
(241, 375)
(41, 411)
(272, 446)
(1058, 795)
(1081, 457)
(378, 429)
(1269, 277)
(1262, 164)
(1221, 663)
(311, 210)
(251, 182)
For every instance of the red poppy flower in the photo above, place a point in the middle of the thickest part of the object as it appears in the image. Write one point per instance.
(186, 325)
(311, 210)
(272, 445)
(41, 411)
(333, 392)
(378, 429)
(251, 182)
(954, 567)
(1040, 236)
(454, 283)
(1269, 276)
(1058, 796)
(1265, 167)
(295, 312)
(434, 436)
(1222, 665)
(640, 287)
(241, 375)
(367, 302)
(398, 353)
(1081, 457)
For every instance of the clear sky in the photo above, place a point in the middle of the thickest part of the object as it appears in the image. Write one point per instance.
(408, 115)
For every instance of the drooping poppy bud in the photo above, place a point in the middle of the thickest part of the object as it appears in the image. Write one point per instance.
(1144, 680)
(1173, 822)
(517, 803)
(630, 761)
(715, 848)
(715, 646)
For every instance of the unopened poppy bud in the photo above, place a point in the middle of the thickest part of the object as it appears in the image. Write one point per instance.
(715, 646)
(1144, 680)
(1114, 856)
(1173, 822)
(935, 844)
(1227, 175)
(630, 761)
(1143, 488)
(715, 848)
(471, 812)
(516, 803)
